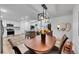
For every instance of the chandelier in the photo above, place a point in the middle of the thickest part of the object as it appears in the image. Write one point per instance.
(43, 15)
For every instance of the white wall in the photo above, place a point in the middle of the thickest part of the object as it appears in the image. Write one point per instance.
(24, 26)
(56, 20)
(75, 29)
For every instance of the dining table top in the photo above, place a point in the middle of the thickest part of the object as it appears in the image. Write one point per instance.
(38, 46)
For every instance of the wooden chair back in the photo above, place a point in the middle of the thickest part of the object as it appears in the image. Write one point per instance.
(64, 39)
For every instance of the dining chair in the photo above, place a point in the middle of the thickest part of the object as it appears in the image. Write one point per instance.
(30, 34)
(30, 51)
(64, 39)
(55, 49)
(15, 48)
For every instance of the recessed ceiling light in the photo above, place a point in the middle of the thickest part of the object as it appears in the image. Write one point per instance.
(3, 10)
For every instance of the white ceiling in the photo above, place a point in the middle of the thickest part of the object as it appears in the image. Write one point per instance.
(29, 11)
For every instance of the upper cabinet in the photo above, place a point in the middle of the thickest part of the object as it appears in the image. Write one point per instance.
(11, 24)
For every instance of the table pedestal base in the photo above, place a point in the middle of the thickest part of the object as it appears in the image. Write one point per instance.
(43, 38)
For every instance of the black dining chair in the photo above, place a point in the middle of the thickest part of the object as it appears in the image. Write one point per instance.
(30, 51)
(15, 48)
(61, 47)
(56, 50)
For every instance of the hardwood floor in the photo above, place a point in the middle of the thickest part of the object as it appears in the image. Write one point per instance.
(17, 40)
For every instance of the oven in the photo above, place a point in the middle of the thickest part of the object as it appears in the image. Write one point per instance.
(10, 32)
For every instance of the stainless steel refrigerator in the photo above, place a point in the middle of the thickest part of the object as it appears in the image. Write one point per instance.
(1, 37)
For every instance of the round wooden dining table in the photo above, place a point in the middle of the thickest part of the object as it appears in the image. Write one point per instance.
(38, 46)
